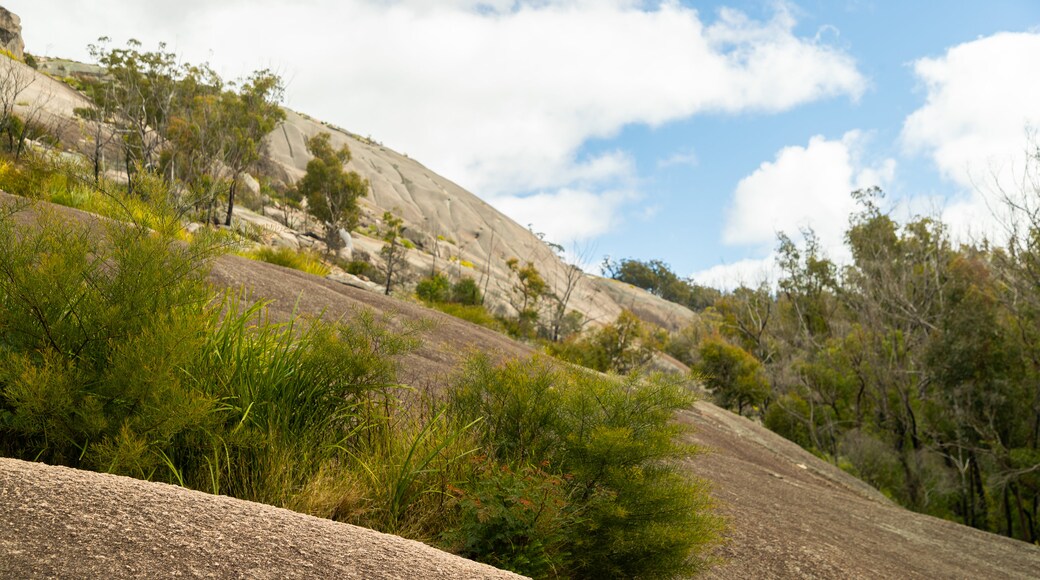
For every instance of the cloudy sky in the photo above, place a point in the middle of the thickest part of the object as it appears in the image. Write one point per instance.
(690, 132)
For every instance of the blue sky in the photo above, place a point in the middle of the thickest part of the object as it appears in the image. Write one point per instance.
(684, 131)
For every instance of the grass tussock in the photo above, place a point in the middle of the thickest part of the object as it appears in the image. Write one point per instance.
(303, 261)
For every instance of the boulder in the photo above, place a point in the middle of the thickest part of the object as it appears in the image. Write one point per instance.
(11, 33)
(354, 281)
(251, 184)
(285, 239)
(346, 249)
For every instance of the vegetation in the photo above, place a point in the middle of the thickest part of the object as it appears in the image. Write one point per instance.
(658, 278)
(438, 289)
(579, 474)
(116, 356)
(528, 286)
(178, 121)
(297, 260)
(331, 192)
(393, 249)
(623, 346)
(914, 366)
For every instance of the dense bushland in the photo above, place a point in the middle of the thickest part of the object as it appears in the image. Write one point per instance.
(915, 366)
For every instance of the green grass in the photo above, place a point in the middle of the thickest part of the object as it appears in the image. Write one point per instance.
(308, 262)
(476, 314)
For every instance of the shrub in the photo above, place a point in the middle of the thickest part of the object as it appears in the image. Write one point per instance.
(622, 346)
(435, 288)
(96, 325)
(734, 375)
(465, 292)
(629, 512)
(366, 269)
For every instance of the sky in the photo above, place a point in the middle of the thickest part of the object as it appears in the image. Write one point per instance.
(690, 132)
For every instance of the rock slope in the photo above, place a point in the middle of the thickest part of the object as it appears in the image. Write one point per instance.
(57, 522)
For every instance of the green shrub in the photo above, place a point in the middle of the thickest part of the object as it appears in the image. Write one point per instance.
(512, 519)
(630, 511)
(622, 346)
(96, 325)
(734, 375)
(366, 269)
(308, 262)
(466, 292)
(435, 288)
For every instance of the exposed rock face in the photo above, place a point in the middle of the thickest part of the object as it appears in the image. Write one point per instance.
(457, 232)
(11, 33)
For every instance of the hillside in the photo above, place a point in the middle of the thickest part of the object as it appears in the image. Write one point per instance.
(791, 514)
(450, 226)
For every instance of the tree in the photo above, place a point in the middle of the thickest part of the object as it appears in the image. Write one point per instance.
(141, 88)
(250, 115)
(622, 346)
(332, 192)
(392, 250)
(657, 277)
(733, 374)
(528, 287)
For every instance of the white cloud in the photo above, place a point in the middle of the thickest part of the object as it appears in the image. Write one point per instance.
(567, 215)
(981, 98)
(803, 187)
(751, 272)
(686, 158)
(981, 104)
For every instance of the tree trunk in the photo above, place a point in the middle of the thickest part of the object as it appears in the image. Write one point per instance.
(231, 201)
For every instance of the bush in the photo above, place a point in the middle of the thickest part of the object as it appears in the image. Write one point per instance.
(734, 375)
(622, 346)
(366, 269)
(434, 288)
(629, 510)
(114, 356)
(96, 327)
(466, 292)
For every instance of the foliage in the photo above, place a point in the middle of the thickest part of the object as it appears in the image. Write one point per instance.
(733, 375)
(528, 286)
(658, 278)
(303, 261)
(914, 366)
(622, 346)
(596, 457)
(331, 191)
(392, 250)
(436, 288)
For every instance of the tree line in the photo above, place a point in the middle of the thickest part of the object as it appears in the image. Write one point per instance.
(914, 366)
